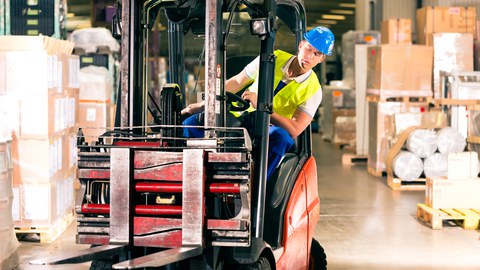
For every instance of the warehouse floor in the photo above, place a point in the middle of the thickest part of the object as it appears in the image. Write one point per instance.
(363, 225)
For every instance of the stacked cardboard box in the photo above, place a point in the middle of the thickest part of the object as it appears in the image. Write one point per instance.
(396, 31)
(41, 85)
(400, 70)
(95, 102)
(444, 19)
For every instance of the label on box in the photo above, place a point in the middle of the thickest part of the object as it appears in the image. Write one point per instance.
(91, 115)
(16, 204)
(36, 202)
(454, 11)
(60, 77)
(71, 112)
(60, 153)
(56, 115)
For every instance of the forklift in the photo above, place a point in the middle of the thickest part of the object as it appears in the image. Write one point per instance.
(153, 199)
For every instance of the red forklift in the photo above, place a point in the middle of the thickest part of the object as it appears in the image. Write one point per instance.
(154, 199)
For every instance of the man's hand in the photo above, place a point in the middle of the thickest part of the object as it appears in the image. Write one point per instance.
(193, 108)
(250, 96)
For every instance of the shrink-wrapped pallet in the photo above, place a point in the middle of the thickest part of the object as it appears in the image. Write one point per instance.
(8, 241)
(407, 166)
(450, 141)
(422, 142)
(435, 165)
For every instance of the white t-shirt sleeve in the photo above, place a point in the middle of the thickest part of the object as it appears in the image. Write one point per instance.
(310, 105)
(252, 68)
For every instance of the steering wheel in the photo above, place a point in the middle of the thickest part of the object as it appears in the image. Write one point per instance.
(236, 103)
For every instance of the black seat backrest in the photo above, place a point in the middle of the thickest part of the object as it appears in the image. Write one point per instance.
(279, 187)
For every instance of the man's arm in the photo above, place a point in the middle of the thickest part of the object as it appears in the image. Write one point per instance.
(234, 84)
(237, 82)
(300, 120)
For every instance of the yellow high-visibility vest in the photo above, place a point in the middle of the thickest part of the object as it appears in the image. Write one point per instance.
(287, 100)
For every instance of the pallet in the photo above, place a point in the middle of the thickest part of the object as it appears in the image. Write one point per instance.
(48, 234)
(353, 159)
(398, 184)
(466, 218)
(374, 172)
(392, 96)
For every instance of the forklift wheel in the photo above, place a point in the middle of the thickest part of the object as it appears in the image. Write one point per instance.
(261, 264)
(318, 258)
(103, 264)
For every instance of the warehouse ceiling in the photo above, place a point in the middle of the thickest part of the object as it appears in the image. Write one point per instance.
(319, 12)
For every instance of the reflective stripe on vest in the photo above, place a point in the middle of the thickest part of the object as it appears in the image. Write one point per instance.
(287, 100)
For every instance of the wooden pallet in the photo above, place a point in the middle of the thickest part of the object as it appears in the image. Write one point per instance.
(466, 218)
(353, 159)
(407, 97)
(48, 234)
(375, 172)
(399, 184)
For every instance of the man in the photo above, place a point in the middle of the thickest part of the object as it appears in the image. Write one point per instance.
(297, 92)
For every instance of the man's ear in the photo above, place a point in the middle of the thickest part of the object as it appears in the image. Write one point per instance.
(324, 56)
(300, 45)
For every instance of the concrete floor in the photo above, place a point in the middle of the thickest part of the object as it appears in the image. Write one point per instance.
(363, 225)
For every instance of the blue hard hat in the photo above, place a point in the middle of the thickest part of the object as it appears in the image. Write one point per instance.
(321, 38)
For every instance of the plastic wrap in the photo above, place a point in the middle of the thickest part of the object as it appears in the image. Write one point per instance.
(344, 130)
(450, 141)
(407, 166)
(435, 165)
(8, 243)
(90, 39)
(422, 142)
(379, 135)
(349, 40)
(452, 52)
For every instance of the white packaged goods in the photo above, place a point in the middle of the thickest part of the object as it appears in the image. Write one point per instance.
(422, 142)
(8, 241)
(444, 193)
(463, 165)
(407, 166)
(90, 39)
(450, 141)
(435, 165)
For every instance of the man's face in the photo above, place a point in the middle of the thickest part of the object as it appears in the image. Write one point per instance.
(308, 56)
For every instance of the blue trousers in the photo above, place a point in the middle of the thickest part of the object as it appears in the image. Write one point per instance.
(279, 141)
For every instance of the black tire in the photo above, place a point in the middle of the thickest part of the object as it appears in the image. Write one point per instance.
(318, 258)
(261, 264)
(101, 264)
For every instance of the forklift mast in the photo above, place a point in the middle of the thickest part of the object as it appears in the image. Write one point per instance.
(136, 22)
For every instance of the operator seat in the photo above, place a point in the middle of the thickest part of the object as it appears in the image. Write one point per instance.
(279, 185)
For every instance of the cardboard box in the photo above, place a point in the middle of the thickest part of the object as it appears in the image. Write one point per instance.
(443, 19)
(400, 70)
(396, 31)
(42, 116)
(462, 165)
(94, 119)
(444, 193)
(41, 205)
(37, 161)
(35, 43)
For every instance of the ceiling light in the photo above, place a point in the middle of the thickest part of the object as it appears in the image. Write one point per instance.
(347, 5)
(333, 17)
(326, 22)
(342, 11)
